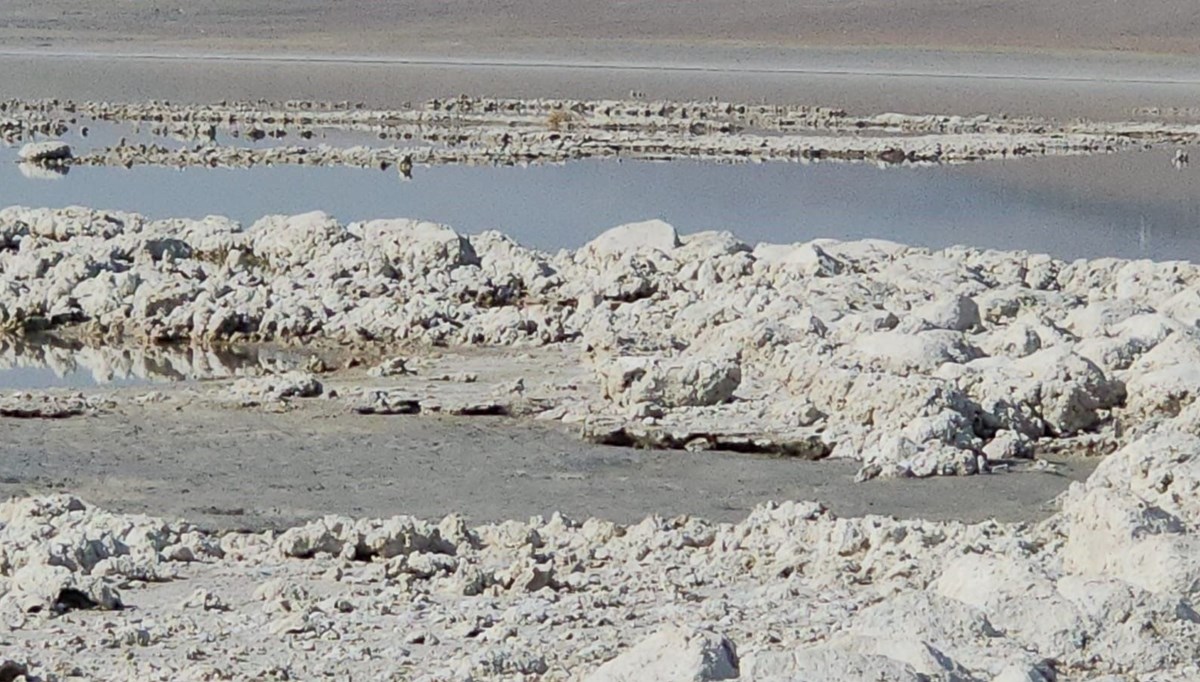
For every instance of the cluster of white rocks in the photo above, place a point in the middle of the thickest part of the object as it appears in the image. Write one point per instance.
(45, 153)
(26, 405)
(472, 130)
(555, 147)
(13, 130)
(710, 115)
(464, 112)
(915, 362)
(1103, 590)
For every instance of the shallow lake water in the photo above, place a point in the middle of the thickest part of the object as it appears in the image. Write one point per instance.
(39, 363)
(1132, 204)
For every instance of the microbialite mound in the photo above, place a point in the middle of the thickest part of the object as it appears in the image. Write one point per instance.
(915, 362)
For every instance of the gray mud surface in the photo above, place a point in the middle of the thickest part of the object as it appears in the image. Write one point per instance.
(1092, 58)
(536, 26)
(942, 82)
(247, 469)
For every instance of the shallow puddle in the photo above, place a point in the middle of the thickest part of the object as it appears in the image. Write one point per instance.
(31, 364)
(1132, 204)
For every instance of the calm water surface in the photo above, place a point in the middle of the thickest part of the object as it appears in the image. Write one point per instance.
(37, 363)
(1132, 204)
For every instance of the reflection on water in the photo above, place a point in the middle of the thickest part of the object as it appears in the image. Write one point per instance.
(1142, 204)
(37, 363)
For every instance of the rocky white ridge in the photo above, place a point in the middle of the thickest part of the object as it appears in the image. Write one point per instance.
(468, 130)
(50, 152)
(489, 130)
(913, 361)
(1103, 590)
(467, 118)
(554, 147)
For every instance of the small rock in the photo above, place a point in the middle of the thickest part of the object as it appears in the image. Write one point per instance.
(10, 670)
(391, 367)
(45, 152)
(673, 654)
(651, 235)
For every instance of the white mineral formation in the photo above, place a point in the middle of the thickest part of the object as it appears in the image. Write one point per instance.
(37, 171)
(914, 362)
(274, 388)
(673, 654)
(44, 152)
(679, 382)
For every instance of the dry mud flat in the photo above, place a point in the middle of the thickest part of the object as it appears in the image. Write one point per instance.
(1102, 590)
(908, 361)
(572, 28)
(1105, 87)
(177, 452)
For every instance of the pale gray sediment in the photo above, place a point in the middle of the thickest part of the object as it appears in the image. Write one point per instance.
(173, 451)
(1107, 87)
